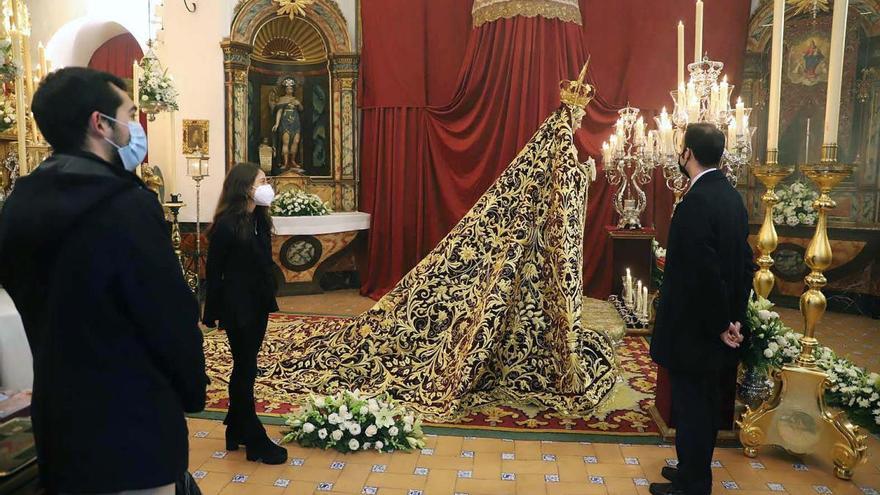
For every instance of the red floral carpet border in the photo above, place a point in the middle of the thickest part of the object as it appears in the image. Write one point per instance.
(625, 412)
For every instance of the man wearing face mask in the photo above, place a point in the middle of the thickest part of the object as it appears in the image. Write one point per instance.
(699, 326)
(86, 256)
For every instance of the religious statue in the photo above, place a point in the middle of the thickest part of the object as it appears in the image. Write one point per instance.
(286, 127)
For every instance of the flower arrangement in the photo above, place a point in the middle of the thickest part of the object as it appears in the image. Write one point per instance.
(773, 345)
(7, 113)
(659, 263)
(348, 422)
(297, 203)
(795, 205)
(8, 69)
(155, 85)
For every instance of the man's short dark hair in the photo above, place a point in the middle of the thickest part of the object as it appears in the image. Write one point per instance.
(707, 143)
(65, 100)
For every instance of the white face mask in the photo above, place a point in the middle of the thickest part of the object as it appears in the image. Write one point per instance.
(263, 195)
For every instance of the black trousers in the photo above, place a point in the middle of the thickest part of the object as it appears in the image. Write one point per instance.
(696, 399)
(245, 343)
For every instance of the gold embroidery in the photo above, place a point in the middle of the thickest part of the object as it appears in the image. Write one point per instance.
(493, 315)
(491, 10)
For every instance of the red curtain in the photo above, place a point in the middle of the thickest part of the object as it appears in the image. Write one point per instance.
(116, 56)
(446, 107)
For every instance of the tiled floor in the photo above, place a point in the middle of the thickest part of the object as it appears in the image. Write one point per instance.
(481, 466)
(499, 467)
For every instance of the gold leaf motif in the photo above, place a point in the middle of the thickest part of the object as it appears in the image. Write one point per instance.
(293, 8)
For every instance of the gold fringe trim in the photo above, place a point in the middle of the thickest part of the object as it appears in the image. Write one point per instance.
(484, 12)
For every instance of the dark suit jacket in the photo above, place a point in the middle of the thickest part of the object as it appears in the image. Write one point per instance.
(240, 275)
(707, 279)
(86, 255)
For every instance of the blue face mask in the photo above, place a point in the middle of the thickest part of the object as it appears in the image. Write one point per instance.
(135, 151)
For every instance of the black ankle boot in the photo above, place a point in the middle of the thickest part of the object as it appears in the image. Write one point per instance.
(233, 438)
(264, 450)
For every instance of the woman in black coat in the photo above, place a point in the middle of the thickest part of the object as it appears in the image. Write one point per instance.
(240, 295)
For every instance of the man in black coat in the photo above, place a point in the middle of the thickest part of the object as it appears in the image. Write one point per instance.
(703, 302)
(86, 256)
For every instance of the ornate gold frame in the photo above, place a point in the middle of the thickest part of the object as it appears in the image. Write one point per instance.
(341, 188)
(202, 126)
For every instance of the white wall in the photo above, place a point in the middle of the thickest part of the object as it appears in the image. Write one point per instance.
(189, 47)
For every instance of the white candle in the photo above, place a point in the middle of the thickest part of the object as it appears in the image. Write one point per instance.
(680, 54)
(639, 295)
(135, 83)
(681, 100)
(645, 302)
(605, 153)
(714, 99)
(640, 130)
(775, 75)
(835, 71)
(650, 146)
(698, 33)
(740, 111)
(724, 94)
(731, 134)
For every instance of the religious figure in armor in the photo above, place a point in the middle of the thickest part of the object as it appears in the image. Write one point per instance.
(286, 128)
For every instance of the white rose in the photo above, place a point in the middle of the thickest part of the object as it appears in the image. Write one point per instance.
(379, 445)
(334, 419)
(367, 445)
(336, 435)
(773, 346)
(322, 433)
(764, 315)
(372, 430)
(353, 444)
(768, 353)
(308, 427)
(354, 429)
(393, 431)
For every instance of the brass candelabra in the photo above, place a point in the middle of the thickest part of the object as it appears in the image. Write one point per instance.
(770, 175)
(797, 418)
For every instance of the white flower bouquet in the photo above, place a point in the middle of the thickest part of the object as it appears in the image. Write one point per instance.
(348, 422)
(773, 345)
(156, 86)
(8, 69)
(297, 203)
(795, 205)
(7, 113)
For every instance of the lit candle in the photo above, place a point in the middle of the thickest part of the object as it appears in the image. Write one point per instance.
(740, 111)
(698, 33)
(680, 54)
(606, 153)
(835, 71)
(612, 144)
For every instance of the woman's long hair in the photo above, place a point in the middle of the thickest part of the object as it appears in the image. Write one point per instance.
(234, 201)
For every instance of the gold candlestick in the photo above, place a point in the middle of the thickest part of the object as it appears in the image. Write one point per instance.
(796, 418)
(770, 175)
(174, 207)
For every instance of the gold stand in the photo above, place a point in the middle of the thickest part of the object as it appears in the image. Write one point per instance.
(770, 175)
(796, 418)
(174, 207)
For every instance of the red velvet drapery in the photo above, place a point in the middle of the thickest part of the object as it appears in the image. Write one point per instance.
(446, 107)
(116, 56)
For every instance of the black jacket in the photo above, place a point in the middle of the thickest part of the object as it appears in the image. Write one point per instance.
(240, 285)
(86, 256)
(707, 278)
